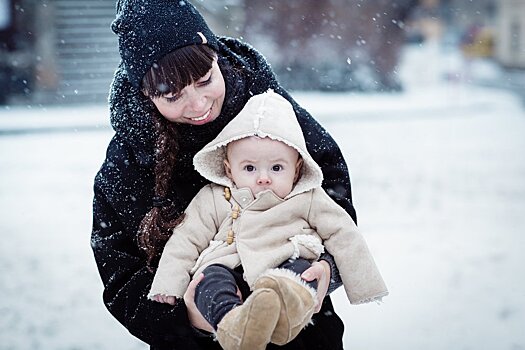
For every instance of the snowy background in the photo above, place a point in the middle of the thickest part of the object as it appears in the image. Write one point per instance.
(438, 174)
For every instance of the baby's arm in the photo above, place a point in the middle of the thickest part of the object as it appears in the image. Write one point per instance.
(361, 278)
(182, 250)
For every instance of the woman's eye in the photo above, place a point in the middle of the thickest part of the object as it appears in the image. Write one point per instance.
(277, 167)
(205, 82)
(172, 99)
(249, 168)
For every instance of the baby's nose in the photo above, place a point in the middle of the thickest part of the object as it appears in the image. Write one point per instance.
(264, 180)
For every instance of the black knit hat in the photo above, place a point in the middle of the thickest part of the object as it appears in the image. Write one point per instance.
(150, 29)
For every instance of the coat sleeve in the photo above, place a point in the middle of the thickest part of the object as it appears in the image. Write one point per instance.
(126, 280)
(182, 250)
(361, 278)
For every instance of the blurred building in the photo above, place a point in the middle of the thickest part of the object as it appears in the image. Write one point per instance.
(79, 51)
(15, 63)
(510, 33)
(57, 51)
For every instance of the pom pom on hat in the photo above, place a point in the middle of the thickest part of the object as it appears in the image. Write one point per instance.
(149, 29)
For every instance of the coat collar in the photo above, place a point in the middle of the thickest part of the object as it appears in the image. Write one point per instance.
(264, 200)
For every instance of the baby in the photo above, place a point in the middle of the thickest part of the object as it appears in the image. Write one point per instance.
(256, 228)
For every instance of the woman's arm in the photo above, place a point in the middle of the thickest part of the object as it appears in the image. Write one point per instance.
(119, 203)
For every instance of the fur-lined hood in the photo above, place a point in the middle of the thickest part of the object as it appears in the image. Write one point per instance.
(264, 115)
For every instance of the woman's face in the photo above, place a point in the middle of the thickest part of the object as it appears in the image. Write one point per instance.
(198, 103)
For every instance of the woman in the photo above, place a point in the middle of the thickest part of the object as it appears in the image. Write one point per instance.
(177, 86)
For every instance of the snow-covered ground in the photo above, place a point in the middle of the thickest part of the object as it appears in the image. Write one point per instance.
(438, 176)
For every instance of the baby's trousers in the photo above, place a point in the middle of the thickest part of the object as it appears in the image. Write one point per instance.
(216, 294)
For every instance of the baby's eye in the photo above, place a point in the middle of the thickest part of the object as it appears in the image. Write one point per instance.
(277, 167)
(249, 168)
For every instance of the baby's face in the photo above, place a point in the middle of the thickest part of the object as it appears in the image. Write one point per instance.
(261, 164)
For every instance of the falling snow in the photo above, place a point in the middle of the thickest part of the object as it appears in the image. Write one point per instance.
(437, 174)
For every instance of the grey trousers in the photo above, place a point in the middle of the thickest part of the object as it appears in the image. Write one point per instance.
(216, 294)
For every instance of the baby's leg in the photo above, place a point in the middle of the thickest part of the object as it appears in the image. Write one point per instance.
(299, 266)
(297, 297)
(216, 294)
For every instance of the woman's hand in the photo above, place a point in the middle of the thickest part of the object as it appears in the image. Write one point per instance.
(320, 271)
(194, 315)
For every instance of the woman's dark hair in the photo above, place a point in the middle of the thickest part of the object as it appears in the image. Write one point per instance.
(177, 70)
(171, 74)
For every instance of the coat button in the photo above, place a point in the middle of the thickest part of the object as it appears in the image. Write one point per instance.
(230, 237)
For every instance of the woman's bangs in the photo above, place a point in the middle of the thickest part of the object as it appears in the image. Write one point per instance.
(177, 70)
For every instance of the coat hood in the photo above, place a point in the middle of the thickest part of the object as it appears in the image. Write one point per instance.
(264, 115)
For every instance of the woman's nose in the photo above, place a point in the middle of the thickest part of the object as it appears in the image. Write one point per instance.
(199, 104)
(197, 100)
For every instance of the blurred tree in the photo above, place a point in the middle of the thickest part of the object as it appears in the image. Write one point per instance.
(330, 44)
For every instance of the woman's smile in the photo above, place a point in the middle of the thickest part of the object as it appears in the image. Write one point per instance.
(188, 106)
(205, 118)
(197, 119)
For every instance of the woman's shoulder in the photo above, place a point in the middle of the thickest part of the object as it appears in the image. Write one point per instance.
(249, 66)
(130, 116)
(245, 56)
(121, 165)
(239, 47)
(120, 153)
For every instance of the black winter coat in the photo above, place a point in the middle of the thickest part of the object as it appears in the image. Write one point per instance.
(123, 194)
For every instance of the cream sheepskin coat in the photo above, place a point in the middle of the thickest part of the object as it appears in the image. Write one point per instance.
(266, 229)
